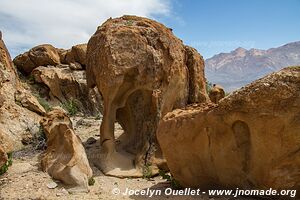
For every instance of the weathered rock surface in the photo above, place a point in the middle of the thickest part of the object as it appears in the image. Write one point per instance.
(41, 55)
(77, 54)
(65, 158)
(14, 119)
(3, 157)
(249, 140)
(216, 93)
(65, 85)
(29, 101)
(142, 71)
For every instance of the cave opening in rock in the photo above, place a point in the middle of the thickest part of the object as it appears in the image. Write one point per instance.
(138, 118)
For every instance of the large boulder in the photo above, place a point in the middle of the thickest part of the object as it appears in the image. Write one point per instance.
(249, 140)
(14, 118)
(65, 158)
(77, 54)
(142, 71)
(67, 85)
(41, 55)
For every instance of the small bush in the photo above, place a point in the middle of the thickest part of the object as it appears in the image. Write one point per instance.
(44, 103)
(5, 167)
(147, 172)
(98, 116)
(70, 106)
(209, 86)
(91, 181)
(129, 22)
(174, 183)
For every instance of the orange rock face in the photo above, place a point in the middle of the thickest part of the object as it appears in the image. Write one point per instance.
(41, 55)
(250, 140)
(142, 71)
(14, 119)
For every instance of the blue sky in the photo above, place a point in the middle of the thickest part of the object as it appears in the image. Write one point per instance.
(211, 26)
(217, 26)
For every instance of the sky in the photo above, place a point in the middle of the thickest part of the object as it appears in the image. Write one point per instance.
(210, 26)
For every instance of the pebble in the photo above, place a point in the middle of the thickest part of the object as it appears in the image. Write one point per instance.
(52, 185)
(62, 192)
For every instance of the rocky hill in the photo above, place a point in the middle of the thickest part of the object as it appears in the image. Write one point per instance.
(240, 67)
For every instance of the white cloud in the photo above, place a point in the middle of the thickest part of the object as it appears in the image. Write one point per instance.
(63, 23)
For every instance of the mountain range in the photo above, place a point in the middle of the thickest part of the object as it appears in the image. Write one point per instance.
(240, 67)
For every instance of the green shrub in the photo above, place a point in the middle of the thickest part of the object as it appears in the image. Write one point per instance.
(5, 167)
(129, 22)
(174, 183)
(98, 116)
(147, 172)
(70, 106)
(209, 86)
(44, 103)
(91, 181)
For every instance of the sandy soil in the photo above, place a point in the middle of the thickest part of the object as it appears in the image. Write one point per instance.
(25, 180)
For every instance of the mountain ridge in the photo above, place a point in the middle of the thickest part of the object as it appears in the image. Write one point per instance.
(241, 66)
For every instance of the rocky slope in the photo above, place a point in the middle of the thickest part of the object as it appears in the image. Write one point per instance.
(240, 67)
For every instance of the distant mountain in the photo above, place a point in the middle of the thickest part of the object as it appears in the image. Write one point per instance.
(240, 67)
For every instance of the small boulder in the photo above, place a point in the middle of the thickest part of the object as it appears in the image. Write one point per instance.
(24, 63)
(216, 93)
(29, 101)
(65, 158)
(42, 55)
(76, 54)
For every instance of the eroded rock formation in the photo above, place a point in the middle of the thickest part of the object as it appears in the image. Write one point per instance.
(65, 158)
(75, 55)
(249, 140)
(216, 93)
(14, 118)
(41, 55)
(142, 71)
(67, 85)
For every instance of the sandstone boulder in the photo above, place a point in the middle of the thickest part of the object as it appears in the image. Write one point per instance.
(41, 55)
(14, 119)
(249, 140)
(216, 93)
(77, 54)
(142, 71)
(28, 101)
(67, 85)
(65, 158)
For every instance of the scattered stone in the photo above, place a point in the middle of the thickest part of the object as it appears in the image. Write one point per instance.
(52, 185)
(91, 141)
